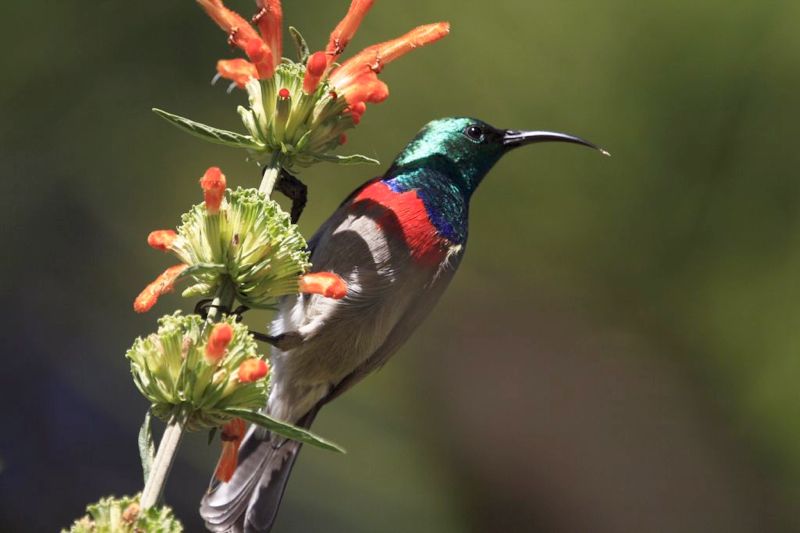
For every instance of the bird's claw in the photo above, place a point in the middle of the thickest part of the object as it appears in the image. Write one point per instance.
(203, 306)
(283, 342)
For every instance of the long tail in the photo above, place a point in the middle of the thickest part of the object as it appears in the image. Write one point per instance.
(249, 502)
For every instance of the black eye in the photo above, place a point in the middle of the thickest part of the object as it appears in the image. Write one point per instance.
(474, 132)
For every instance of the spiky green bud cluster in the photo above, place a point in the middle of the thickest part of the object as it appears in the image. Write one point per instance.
(302, 128)
(123, 515)
(251, 241)
(285, 122)
(172, 369)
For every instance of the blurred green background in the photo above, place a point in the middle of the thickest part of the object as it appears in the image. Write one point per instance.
(619, 352)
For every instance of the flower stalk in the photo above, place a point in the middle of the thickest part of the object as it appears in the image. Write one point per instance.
(173, 434)
(225, 298)
(269, 178)
(162, 465)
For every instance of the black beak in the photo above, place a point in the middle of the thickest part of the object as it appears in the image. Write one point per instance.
(512, 139)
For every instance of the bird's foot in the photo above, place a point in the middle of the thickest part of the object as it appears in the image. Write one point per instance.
(295, 190)
(204, 306)
(283, 342)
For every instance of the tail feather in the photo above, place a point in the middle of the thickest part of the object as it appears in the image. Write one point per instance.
(249, 502)
(267, 495)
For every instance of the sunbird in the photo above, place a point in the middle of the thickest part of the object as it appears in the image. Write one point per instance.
(397, 241)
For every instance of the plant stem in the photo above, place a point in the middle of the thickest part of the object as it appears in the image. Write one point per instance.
(168, 447)
(162, 464)
(270, 176)
(224, 299)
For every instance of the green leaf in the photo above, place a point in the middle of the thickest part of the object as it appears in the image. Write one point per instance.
(302, 46)
(355, 159)
(209, 133)
(147, 450)
(286, 430)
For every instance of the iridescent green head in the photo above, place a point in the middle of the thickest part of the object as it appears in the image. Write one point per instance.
(464, 149)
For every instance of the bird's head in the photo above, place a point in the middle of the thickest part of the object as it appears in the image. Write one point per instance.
(464, 149)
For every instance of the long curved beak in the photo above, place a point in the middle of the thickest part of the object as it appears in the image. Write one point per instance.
(514, 138)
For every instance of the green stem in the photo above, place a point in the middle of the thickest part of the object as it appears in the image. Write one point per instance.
(162, 464)
(224, 299)
(270, 176)
(168, 447)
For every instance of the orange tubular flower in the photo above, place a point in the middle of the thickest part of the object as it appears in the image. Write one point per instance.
(232, 435)
(242, 34)
(276, 126)
(163, 284)
(327, 284)
(252, 370)
(269, 21)
(213, 183)
(359, 71)
(344, 31)
(218, 342)
(161, 239)
(239, 71)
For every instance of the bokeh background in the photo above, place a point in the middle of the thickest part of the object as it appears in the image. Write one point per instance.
(619, 352)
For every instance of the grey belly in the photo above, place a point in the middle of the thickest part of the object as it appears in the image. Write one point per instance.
(339, 336)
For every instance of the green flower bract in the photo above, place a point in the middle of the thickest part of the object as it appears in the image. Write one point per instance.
(170, 369)
(251, 240)
(122, 515)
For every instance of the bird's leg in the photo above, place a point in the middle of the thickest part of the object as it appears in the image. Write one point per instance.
(202, 308)
(283, 342)
(295, 190)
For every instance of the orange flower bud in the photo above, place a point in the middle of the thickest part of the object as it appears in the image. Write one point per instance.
(161, 285)
(231, 436)
(161, 239)
(269, 21)
(356, 110)
(365, 88)
(239, 71)
(345, 30)
(261, 56)
(242, 35)
(213, 184)
(315, 68)
(252, 370)
(284, 94)
(327, 284)
(218, 341)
